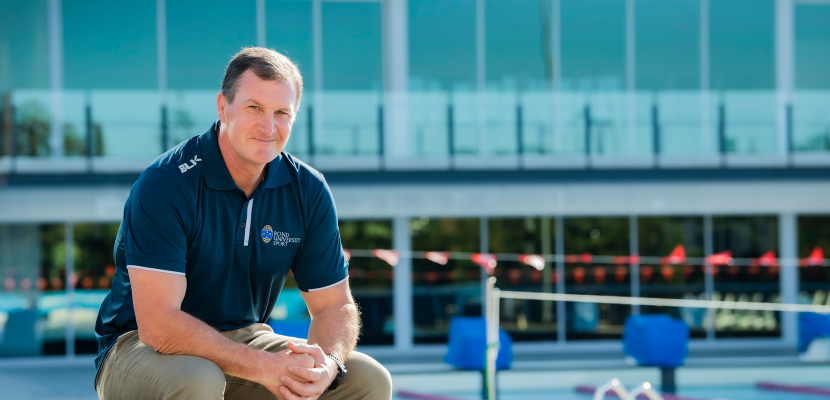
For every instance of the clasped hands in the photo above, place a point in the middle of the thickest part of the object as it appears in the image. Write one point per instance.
(302, 372)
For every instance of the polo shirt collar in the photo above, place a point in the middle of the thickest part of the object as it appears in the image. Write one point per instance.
(216, 172)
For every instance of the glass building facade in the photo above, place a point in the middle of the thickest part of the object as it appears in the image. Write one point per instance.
(689, 81)
(426, 85)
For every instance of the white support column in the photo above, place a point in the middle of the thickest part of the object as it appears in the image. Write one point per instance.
(784, 66)
(634, 240)
(788, 280)
(547, 307)
(402, 284)
(69, 242)
(481, 76)
(260, 23)
(556, 65)
(708, 277)
(396, 80)
(161, 49)
(317, 51)
(631, 74)
(561, 320)
(55, 10)
(484, 247)
(705, 115)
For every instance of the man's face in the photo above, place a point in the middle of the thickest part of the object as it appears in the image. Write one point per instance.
(258, 122)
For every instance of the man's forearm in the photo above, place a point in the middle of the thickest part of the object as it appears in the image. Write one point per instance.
(335, 329)
(177, 332)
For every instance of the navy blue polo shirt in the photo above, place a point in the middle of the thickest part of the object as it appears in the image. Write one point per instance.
(186, 216)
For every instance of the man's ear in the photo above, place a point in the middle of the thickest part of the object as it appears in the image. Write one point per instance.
(221, 103)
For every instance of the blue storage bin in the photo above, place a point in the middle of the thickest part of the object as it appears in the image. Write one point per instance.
(468, 341)
(811, 326)
(656, 340)
(292, 328)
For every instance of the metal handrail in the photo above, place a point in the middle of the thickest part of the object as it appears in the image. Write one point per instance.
(614, 385)
(624, 394)
(645, 389)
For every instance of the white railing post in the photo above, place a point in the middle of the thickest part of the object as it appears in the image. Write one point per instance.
(788, 278)
(69, 241)
(491, 319)
(402, 284)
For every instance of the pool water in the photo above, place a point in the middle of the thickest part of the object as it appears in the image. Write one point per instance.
(711, 393)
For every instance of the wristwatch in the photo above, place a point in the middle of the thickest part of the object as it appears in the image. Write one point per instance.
(340, 374)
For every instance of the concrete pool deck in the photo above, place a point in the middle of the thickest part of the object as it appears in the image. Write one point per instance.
(62, 378)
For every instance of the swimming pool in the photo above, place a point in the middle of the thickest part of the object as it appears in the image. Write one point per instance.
(699, 383)
(728, 393)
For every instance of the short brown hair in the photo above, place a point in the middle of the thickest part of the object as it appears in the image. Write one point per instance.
(266, 64)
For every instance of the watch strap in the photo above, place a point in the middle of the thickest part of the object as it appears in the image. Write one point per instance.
(340, 374)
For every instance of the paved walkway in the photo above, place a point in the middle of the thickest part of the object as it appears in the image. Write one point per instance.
(66, 382)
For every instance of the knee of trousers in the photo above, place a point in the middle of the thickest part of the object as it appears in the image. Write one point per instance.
(200, 380)
(370, 375)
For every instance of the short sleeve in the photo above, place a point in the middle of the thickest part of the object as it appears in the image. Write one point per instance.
(320, 262)
(156, 219)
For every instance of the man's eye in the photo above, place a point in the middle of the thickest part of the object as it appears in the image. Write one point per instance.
(254, 107)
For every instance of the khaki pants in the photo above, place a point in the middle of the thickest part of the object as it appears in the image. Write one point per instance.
(132, 370)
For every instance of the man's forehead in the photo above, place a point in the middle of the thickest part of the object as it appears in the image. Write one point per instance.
(251, 87)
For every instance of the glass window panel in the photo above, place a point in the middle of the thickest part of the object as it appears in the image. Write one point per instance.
(678, 117)
(351, 123)
(537, 122)
(442, 45)
(202, 36)
(593, 44)
(812, 61)
(442, 57)
(351, 46)
(352, 67)
(748, 130)
(593, 60)
(517, 44)
(24, 45)
(20, 260)
(429, 117)
(668, 44)
(289, 31)
(443, 291)
(742, 60)
(501, 118)
(94, 269)
(111, 69)
(465, 122)
(525, 320)
(28, 112)
(370, 278)
(191, 112)
(812, 46)
(813, 232)
(24, 76)
(659, 236)
(597, 236)
(742, 44)
(101, 51)
(52, 284)
(746, 237)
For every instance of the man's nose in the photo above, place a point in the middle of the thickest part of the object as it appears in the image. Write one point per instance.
(270, 124)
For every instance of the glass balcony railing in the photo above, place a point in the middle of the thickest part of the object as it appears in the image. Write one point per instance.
(669, 129)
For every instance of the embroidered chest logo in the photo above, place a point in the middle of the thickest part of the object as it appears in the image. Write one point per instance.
(185, 167)
(267, 233)
(279, 238)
